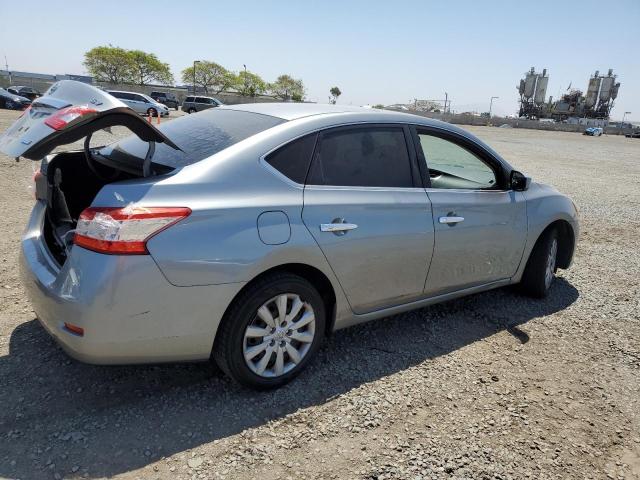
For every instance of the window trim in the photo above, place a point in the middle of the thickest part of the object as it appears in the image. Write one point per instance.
(413, 169)
(499, 169)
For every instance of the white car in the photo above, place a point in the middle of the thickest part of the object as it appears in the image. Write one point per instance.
(141, 103)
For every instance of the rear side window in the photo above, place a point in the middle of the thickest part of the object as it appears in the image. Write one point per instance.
(293, 159)
(362, 157)
(198, 136)
(201, 100)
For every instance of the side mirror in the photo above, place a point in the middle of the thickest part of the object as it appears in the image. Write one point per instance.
(519, 182)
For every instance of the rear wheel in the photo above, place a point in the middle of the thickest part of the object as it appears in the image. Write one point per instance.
(540, 271)
(152, 112)
(271, 331)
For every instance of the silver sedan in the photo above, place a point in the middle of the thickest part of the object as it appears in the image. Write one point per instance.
(247, 233)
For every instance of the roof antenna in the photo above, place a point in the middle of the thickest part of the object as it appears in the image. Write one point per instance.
(146, 166)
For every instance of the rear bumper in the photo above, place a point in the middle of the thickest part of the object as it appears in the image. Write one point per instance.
(129, 312)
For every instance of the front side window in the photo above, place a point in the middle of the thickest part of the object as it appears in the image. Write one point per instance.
(188, 99)
(362, 157)
(453, 166)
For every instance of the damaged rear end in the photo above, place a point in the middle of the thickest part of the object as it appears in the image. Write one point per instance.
(85, 265)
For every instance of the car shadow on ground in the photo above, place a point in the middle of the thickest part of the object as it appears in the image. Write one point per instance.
(61, 416)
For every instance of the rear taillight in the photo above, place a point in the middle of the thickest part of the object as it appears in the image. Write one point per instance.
(124, 231)
(67, 116)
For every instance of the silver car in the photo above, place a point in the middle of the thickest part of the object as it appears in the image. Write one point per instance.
(247, 233)
(141, 103)
(193, 104)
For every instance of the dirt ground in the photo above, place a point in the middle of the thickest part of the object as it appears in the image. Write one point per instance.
(490, 386)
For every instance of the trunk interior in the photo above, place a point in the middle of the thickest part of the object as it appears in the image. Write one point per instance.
(72, 183)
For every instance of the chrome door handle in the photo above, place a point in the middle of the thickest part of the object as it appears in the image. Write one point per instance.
(337, 227)
(451, 220)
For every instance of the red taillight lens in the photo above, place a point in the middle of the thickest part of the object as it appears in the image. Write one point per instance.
(124, 231)
(66, 116)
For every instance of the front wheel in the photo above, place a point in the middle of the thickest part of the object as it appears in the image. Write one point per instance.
(191, 110)
(540, 270)
(271, 331)
(152, 112)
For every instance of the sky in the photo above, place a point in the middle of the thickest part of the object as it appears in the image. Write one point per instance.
(374, 51)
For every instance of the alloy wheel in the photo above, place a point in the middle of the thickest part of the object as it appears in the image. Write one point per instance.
(279, 336)
(551, 263)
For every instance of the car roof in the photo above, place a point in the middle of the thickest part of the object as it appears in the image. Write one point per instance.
(295, 110)
(126, 91)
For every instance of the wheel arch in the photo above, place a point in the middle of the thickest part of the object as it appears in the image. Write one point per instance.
(566, 241)
(311, 274)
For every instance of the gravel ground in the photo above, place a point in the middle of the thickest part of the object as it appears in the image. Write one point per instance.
(490, 386)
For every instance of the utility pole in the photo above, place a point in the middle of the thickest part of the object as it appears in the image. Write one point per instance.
(491, 105)
(446, 96)
(194, 76)
(245, 78)
(6, 66)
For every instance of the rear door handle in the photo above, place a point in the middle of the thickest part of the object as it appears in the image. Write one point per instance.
(338, 226)
(451, 220)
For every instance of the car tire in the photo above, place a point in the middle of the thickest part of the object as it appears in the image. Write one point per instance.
(152, 112)
(237, 341)
(9, 104)
(191, 110)
(539, 272)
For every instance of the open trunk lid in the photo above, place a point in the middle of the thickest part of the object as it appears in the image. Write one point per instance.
(69, 111)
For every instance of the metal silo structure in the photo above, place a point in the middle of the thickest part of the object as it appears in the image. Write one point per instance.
(541, 88)
(532, 89)
(592, 91)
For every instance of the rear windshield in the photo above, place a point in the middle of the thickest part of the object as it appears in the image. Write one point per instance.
(199, 136)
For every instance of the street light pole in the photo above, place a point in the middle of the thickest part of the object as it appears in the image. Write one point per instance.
(245, 78)
(491, 105)
(194, 75)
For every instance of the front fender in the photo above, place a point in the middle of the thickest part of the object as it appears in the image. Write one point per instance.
(546, 205)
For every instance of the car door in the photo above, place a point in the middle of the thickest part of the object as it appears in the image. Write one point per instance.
(139, 103)
(480, 224)
(367, 210)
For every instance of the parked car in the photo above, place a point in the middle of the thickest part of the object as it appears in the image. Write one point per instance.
(27, 92)
(197, 104)
(633, 134)
(192, 240)
(593, 131)
(166, 98)
(141, 103)
(12, 101)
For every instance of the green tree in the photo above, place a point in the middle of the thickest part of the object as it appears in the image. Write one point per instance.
(335, 93)
(287, 88)
(109, 64)
(146, 68)
(249, 84)
(209, 76)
